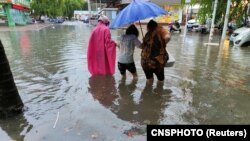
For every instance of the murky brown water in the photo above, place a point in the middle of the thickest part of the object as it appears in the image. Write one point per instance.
(207, 85)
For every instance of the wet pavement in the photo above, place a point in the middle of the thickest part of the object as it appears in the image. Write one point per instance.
(206, 85)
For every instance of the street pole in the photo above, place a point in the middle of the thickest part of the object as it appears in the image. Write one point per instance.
(212, 27)
(248, 8)
(100, 4)
(213, 19)
(89, 7)
(185, 29)
(225, 22)
(90, 14)
(96, 5)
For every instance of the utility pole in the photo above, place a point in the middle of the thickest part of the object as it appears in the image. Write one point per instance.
(100, 4)
(225, 22)
(213, 19)
(212, 27)
(185, 29)
(89, 7)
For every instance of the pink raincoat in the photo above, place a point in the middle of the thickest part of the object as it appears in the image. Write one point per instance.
(101, 51)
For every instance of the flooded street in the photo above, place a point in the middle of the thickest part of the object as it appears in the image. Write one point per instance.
(206, 85)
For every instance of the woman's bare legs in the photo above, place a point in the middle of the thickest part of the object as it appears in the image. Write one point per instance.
(123, 76)
(150, 81)
(135, 76)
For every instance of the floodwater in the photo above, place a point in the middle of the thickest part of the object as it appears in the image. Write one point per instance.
(206, 85)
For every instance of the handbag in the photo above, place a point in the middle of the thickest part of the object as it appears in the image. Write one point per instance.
(170, 60)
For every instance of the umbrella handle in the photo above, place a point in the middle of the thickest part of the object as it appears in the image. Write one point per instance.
(141, 29)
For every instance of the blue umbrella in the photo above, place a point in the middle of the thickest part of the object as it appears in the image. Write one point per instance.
(137, 10)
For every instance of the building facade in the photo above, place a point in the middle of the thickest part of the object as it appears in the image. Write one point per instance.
(15, 12)
(173, 8)
(175, 13)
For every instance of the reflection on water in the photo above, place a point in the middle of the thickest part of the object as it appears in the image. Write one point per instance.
(148, 109)
(103, 89)
(15, 127)
(207, 85)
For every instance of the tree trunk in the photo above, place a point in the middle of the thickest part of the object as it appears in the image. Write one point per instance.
(10, 101)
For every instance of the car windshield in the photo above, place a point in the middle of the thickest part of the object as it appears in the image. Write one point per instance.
(193, 21)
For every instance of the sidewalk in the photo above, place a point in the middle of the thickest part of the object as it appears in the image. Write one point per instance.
(29, 27)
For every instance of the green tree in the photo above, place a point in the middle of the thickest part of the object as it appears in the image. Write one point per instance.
(238, 9)
(70, 6)
(53, 8)
(50, 8)
(85, 6)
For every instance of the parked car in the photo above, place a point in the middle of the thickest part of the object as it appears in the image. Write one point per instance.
(205, 27)
(174, 26)
(93, 20)
(56, 20)
(240, 36)
(193, 23)
(2, 21)
(86, 19)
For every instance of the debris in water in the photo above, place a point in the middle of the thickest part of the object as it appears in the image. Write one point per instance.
(66, 129)
(135, 112)
(57, 117)
(129, 133)
(94, 136)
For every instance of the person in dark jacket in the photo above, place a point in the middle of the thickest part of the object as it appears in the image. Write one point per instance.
(154, 54)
